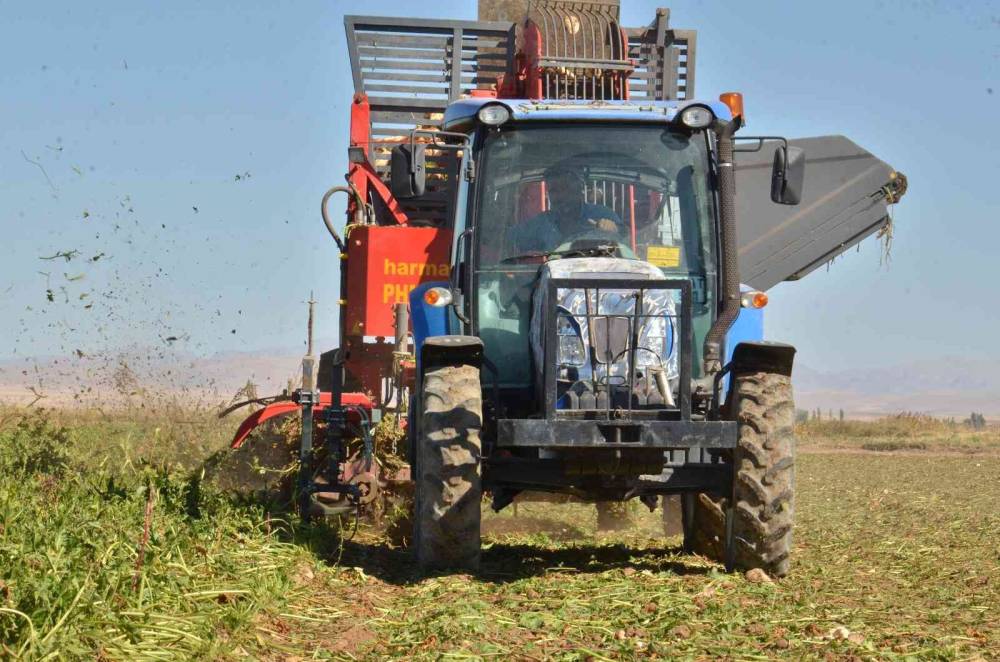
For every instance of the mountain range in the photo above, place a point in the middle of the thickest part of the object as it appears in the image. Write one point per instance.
(943, 387)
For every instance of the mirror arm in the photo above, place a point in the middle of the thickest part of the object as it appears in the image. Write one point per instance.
(760, 143)
(456, 273)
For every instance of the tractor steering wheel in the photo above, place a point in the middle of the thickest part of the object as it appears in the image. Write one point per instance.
(592, 238)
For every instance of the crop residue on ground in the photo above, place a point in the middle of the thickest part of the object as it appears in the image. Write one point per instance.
(895, 558)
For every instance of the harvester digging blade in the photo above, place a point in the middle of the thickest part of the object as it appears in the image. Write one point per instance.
(845, 199)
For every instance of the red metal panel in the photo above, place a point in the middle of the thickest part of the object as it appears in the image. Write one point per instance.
(384, 264)
(533, 52)
(361, 123)
(360, 137)
(283, 407)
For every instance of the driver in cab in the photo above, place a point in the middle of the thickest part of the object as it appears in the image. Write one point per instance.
(569, 216)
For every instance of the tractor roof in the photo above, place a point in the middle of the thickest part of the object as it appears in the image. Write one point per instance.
(461, 114)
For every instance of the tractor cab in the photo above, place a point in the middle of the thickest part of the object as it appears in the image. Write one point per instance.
(598, 188)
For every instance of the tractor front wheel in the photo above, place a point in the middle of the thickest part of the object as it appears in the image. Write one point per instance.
(764, 465)
(448, 484)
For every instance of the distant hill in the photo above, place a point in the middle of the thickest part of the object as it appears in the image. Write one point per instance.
(108, 378)
(942, 387)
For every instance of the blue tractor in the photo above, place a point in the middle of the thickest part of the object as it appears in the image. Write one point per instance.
(600, 330)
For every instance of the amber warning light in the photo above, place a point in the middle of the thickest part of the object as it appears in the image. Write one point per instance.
(734, 100)
(753, 300)
(437, 296)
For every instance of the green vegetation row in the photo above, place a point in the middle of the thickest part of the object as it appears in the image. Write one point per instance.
(117, 558)
(896, 558)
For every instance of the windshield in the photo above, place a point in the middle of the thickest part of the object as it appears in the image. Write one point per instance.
(563, 190)
(635, 191)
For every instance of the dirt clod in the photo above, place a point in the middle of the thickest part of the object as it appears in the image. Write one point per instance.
(353, 638)
(838, 633)
(758, 576)
(680, 632)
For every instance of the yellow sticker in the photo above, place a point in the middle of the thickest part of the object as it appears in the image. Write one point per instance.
(664, 256)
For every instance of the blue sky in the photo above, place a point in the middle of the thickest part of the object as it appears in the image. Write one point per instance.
(189, 143)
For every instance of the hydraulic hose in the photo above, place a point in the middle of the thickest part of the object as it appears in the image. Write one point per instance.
(712, 357)
(326, 216)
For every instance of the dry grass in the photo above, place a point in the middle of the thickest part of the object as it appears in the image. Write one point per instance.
(896, 558)
(902, 432)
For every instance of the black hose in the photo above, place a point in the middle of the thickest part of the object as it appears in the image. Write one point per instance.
(715, 337)
(326, 216)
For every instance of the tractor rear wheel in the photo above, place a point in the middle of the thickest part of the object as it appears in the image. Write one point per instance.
(448, 484)
(764, 463)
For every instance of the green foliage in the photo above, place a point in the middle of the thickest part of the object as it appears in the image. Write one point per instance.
(976, 421)
(69, 542)
(895, 559)
(33, 445)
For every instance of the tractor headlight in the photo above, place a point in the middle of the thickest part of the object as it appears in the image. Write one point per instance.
(696, 117)
(493, 114)
(571, 349)
(656, 343)
(611, 336)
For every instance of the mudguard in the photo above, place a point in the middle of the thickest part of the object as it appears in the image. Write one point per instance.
(443, 350)
(283, 407)
(845, 199)
(763, 356)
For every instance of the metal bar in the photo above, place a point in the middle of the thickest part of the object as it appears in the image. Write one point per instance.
(414, 53)
(631, 213)
(386, 64)
(405, 117)
(690, 37)
(551, 318)
(549, 433)
(576, 62)
(669, 76)
(687, 347)
(389, 102)
(407, 89)
(352, 49)
(424, 24)
(379, 39)
(551, 475)
(456, 65)
(637, 315)
(416, 77)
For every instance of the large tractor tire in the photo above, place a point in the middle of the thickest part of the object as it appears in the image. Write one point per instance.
(764, 462)
(448, 483)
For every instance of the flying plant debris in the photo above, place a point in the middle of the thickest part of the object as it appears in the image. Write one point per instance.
(67, 255)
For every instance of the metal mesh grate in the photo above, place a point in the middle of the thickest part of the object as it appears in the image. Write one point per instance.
(410, 69)
(665, 61)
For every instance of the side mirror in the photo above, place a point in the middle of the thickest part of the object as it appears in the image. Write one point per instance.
(409, 170)
(787, 175)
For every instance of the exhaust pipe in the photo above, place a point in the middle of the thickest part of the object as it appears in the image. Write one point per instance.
(714, 339)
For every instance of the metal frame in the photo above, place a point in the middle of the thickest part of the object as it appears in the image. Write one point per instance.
(648, 433)
(665, 427)
(408, 70)
(518, 473)
(665, 60)
(639, 286)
